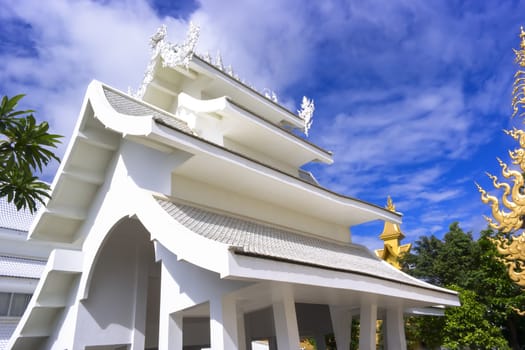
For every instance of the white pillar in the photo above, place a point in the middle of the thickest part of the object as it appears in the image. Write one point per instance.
(170, 322)
(342, 326)
(241, 330)
(223, 324)
(367, 327)
(175, 331)
(285, 320)
(395, 329)
(170, 331)
(141, 299)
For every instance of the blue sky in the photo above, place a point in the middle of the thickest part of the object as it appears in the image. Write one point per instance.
(411, 96)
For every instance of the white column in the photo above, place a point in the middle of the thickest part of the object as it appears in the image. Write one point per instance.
(342, 326)
(223, 323)
(170, 322)
(241, 330)
(175, 331)
(395, 329)
(170, 331)
(140, 290)
(367, 327)
(285, 320)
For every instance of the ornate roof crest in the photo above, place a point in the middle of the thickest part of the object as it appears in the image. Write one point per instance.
(177, 55)
(172, 55)
(306, 113)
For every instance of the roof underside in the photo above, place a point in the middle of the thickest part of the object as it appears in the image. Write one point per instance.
(246, 237)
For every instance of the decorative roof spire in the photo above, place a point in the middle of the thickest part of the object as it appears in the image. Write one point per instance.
(306, 113)
(218, 61)
(172, 55)
(390, 205)
(518, 87)
(508, 211)
(159, 36)
(392, 236)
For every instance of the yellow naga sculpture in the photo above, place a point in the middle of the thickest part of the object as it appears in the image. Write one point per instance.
(392, 237)
(509, 212)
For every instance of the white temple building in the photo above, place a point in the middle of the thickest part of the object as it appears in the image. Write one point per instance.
(181, 218)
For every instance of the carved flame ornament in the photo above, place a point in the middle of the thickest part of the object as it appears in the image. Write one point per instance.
(307, 113)
(509, 212)
(518, 88)
(172, 55)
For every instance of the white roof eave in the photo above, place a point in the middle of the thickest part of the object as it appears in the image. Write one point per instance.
(247, 267)
(284, 115)
(223, 106)
(221, 258)
(320, 196)
(122, 123)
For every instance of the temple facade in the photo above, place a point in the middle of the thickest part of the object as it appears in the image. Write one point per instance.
(181, 218)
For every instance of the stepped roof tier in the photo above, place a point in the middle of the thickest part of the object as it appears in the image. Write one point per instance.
(110, 116)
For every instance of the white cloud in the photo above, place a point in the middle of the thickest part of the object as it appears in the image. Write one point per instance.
(75, 42)
(404, 89)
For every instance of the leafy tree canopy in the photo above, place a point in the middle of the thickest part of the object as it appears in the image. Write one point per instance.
(25, 149)
(487, 318)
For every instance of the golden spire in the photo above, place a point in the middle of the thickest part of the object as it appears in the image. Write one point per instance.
(518, 87)
(390, 204)
(392, 236)
(508, 212)
(522, 37)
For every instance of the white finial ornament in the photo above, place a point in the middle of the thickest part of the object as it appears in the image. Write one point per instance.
(271, 95)
(172, 55)
(207, 57)
(218, 61)
(159, 36)
(306, 113)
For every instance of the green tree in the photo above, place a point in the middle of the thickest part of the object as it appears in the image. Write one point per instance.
(420, 261)
(457, 259)
(468, 327)
(489, 298)
(495, 289)
(424, 330)
(24, 151)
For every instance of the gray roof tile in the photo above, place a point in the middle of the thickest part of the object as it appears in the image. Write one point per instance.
(6, 330)
(252, 238)
(11, 266)
(13, 219)
(128, 105)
